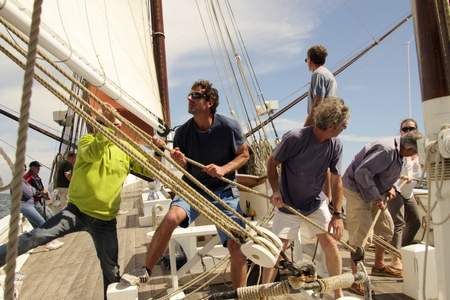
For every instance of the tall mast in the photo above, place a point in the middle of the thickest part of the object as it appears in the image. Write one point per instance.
(432, 32)
(160, 56)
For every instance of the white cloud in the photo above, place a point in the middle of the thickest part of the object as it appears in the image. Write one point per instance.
(361, 138)
(282, 124)
(276, 30)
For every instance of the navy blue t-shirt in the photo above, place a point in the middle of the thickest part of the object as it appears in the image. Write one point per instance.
(217, 145)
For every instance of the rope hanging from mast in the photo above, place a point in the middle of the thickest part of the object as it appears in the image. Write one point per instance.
(16, 185)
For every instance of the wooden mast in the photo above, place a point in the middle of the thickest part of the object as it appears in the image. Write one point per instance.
(432, 32)
(160, 56)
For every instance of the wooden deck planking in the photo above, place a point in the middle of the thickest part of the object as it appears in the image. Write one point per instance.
(73, 271)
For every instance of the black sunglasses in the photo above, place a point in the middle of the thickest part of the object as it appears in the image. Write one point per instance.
(306, 59)
(406, 129)
(196, 95)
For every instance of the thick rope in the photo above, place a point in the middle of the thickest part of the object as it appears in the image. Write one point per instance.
(16, 185)
(264, 290)
(11, 166)
(157, 170)
(139, 132)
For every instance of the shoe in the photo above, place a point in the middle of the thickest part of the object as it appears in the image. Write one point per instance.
(387, 271)
(55, 244)
(357, 288)
(136, 277)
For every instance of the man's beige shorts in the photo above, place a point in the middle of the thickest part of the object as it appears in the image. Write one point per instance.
(360, 215)
(287, 226)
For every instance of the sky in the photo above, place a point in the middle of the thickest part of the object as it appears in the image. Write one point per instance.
(277, 35)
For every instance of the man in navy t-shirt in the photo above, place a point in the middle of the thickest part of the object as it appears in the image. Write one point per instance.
(305, 155)
(216, 142)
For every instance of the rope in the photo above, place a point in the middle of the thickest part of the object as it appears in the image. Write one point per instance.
(156, 170)
(16, 185)
(139, 132)
(213, 218)
(264, 290)
(386, 246)
(11, 166)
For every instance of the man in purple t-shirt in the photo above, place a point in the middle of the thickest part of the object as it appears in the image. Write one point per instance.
(305, 155)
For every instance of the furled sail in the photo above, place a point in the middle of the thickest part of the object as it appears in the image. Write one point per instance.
(106, 42)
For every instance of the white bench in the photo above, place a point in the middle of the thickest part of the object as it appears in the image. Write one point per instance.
(187, 238)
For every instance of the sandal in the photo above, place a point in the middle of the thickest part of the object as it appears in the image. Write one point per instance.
(357, 288)
(387, 271)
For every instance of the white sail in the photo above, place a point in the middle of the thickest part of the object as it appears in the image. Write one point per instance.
(107, 42)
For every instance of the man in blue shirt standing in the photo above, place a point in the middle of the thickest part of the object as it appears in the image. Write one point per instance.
(368, 182)
(305, 155)
(216, 142)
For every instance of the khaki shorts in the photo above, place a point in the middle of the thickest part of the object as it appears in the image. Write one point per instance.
(360, 215)
(287, 226)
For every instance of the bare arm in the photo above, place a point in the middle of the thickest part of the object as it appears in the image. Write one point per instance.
(242, 156)
(272, 175)
(336, 225)
(310, 119)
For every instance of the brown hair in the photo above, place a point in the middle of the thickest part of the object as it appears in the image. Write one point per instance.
(317, 54)
(210, 92)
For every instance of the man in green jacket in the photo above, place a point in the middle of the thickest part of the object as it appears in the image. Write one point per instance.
(94, 200)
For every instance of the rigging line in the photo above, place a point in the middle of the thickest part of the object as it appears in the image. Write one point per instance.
(32, 126)
(36, 121)
(223, 54)
(29, 156)
(239, 66)
(335, 73)
(230, 64)
(93, 45)
(255, 80)
(227, 85)
(152, 165)
(230, 108)
(238, 113)
(215, 18)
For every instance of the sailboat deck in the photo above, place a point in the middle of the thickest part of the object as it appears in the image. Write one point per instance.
(73, 271)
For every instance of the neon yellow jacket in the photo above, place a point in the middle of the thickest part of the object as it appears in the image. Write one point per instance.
(98, 175)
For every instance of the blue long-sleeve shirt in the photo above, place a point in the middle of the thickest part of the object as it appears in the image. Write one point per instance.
(374, 169)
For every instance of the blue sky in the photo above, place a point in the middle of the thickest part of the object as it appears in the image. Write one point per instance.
(277, 35)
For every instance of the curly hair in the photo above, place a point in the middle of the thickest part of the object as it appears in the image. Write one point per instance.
(317, 54)
(331, 112)
(211, 93)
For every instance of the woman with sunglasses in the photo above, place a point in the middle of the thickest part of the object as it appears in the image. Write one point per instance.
(403, 208)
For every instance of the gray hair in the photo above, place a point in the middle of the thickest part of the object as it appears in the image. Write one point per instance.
(409, 141)
(331, 112)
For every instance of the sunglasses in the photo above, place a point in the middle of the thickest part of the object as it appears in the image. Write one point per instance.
(406, 129)
(196, 95)
(306, 60)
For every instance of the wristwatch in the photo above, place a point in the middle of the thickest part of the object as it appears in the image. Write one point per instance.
(337, 214)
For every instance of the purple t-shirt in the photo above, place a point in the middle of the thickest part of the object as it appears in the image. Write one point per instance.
(304, 162)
